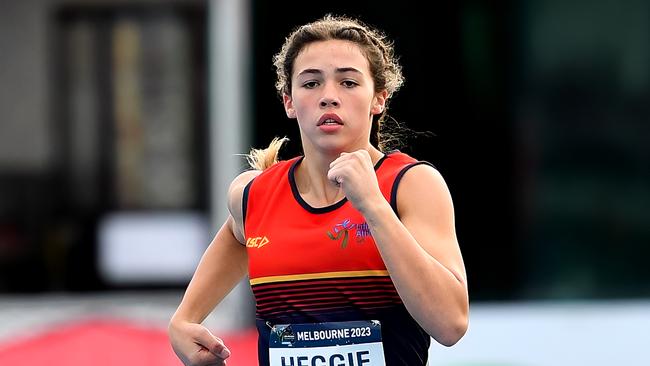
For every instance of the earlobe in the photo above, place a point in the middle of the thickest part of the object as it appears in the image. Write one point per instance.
(377, 108)
(288, 106)
(380, 102)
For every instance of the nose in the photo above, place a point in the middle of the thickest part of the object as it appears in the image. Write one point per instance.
(328, 102)
(329, 98)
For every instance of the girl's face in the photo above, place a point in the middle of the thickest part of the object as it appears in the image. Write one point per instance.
(333, 97)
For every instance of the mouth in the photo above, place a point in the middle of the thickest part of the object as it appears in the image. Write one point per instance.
(330, 119)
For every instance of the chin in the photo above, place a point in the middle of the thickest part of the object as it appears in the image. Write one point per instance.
(331, 149)
(329, 145)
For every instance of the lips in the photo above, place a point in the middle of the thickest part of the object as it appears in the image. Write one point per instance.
(329, 119)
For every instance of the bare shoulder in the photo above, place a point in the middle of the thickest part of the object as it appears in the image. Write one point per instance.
(423, 184)
(235, 197)
(425, 174)
(236, 192)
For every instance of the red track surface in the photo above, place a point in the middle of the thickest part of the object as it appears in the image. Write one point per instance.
(114, 343)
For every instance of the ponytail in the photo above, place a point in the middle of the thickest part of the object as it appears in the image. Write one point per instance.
(261, 159)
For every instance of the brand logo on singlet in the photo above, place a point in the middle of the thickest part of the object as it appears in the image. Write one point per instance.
(257, 242)
(341, 232)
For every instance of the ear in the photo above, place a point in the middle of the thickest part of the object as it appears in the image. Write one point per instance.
(288, 106)
(379, 102)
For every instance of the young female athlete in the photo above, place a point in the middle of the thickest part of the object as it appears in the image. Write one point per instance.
(351, 251)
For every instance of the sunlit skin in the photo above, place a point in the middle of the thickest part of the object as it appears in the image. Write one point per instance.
(419, 249)
(331, 78)
(331, 83)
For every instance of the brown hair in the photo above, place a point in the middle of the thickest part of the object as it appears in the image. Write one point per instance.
(384, 67)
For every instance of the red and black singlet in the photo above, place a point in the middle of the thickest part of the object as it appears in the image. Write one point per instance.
(313, 265)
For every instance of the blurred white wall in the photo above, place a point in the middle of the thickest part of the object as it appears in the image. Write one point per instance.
(553, 333)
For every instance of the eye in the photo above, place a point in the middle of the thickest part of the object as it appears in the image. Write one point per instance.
(349, 83)
(310, 84)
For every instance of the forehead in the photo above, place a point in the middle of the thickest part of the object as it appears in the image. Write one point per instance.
(331, 53)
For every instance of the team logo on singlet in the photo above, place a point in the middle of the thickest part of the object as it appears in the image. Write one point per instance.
(341, 232)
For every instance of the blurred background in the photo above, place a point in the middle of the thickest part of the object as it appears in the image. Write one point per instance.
(120, 128)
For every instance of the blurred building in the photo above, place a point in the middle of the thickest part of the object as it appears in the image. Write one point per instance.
(120, 121)
(105, 113)
(539, 109)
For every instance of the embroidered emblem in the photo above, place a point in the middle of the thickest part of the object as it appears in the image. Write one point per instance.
(342, 230)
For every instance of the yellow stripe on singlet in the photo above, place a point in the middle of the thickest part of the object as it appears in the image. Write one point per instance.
(319, 276)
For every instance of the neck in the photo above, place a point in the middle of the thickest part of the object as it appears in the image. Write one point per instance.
(311, 177)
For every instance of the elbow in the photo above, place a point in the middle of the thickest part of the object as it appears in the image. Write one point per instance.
(453, 336)
(453, 331)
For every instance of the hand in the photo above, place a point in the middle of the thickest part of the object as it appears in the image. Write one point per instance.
(355, 173)
(196, 346)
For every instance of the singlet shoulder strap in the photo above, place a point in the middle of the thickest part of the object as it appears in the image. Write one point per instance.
(244, 203)
(267, 181)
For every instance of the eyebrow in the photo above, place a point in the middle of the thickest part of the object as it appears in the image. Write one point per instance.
(339, 70)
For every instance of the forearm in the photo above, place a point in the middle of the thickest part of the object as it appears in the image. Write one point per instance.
(435, 295)
(222, 266)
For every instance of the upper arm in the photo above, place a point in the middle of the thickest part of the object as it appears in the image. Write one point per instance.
(235, 200)
(425, 207)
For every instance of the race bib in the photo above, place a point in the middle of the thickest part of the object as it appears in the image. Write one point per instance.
(355, 343)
